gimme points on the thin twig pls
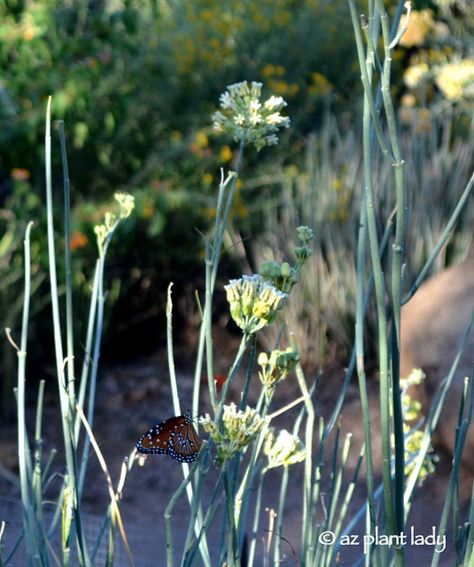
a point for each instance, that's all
(113, 495)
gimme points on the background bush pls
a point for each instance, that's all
(135, 83)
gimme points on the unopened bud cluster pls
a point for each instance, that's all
(246, 119)
(304, 251)
(126, 204)
(284, 449)
(276, 366)
(254, 302)
(238, 429)
(283, 276)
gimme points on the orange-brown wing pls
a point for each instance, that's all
(185, 444)
(157, 440)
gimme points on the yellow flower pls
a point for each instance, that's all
(207, 179)
(207, 16)
(319, 84)
(456, 80)
(215, 44)
(268, 70)
(225, 154)
(415, 74)
(279, 70)
(201, 139)
(29, 33)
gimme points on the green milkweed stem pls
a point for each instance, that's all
(24, 454)
(66, 409)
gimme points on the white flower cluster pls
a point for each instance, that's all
(254, 302)
(238, 430)
(246, 119)
(283, 450)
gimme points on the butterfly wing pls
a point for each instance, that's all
(157, 439)
(185, 444)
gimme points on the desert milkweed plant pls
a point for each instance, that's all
(224, 474)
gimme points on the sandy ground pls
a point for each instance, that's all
(132, 397)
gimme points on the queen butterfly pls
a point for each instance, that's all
(175, 437)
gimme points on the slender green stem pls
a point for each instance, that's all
(469, 554)
(24, 455)
(442, 240)
(232, 373)
(250, 371)
(233, 559)
(396, 273)
(196, 509)
(280, 511)
(256, 519)
(37, 482)
(208, 326)
(360, 311)
(307, 538)
(347, 499)
(364, 400)
(99, 297)
(453, 481)
(336, 489)
(208, 518)
(169, 346)
(221, 223)
(68, 274)
(62, 387)
(212, 264)
(169, 515)
(385, 413)
(37, 488)
(177, 409)
(242, 495)
(88, 348)
(94, 367)
(365, 66)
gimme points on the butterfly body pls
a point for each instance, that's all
(175, 437)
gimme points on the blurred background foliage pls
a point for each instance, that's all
(136, 82)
